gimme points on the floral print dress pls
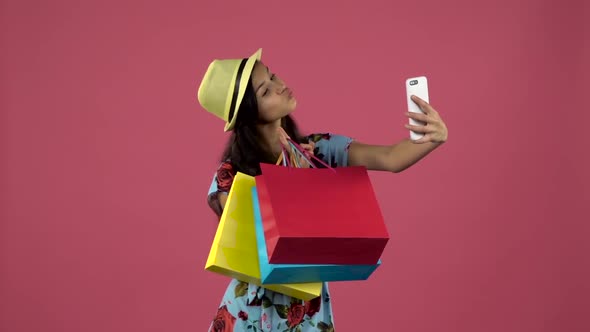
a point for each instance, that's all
(247, 307)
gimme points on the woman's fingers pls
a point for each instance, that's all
(308, 147)
(424, 106)
(420, 129)
(424, 139)
(420, 117)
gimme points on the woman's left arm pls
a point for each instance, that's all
(397, 157)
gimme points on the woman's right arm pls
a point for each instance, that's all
(222, 197)
(220, 186)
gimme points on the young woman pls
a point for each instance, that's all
(255, 105)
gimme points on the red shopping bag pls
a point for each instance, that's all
(320, 215)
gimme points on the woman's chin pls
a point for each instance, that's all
(293, 102)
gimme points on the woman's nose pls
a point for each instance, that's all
(281, 87)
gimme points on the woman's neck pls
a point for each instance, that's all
(270, 135)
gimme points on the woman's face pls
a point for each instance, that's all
(275, 99)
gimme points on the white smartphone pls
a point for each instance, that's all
(417, 86)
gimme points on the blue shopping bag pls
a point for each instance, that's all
(301, 273)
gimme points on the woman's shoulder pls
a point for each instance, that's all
(224, 175)
(331, 148)
(328, 138)
(316, 137)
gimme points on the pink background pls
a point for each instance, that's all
(106, 157)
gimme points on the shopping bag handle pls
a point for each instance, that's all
(306, 155)
(291, 159)
(283, 157)
(286, 158)
(296, 149)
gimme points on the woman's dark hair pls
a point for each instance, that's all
(244, 149)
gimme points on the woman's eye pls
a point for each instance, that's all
(265, 91)
(272, 77)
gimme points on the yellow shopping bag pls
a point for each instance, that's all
(234, 252)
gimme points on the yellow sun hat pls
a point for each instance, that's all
(223, 87)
